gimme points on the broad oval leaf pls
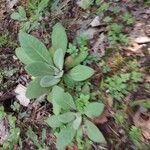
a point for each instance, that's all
(23, 57)
(53, 121)
(57, 93)
(39, 69)
(63, 99)
(16, 16)
(77, 122)
(59, 37)
(94, 109)
(49, 80)
(34, 90)
(59, 58)
(94, 133)
(81, 73)
(68, 101)
(66, 117)
(34, 48)
(65, 137)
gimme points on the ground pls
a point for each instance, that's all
(117, 35)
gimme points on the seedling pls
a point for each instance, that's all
(127, 17)
(31, 22)
(71, 117)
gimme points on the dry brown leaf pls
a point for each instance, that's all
(20, 95)
(4, 132)
(142, 40)
(136, 48)
(142, 120)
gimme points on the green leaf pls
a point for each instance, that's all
(63, 99)
(59, 37)
(53, 121)
(66, 117)
(59, 58)
(16, 16)
(94, 133)
(34, 48)
(49, 80)
(23, 57)
(77, 122)
(56, 108)
(57, 94)
(39, 69)
(68, 101)
(94, 109)
(42, 5)
(22, 12)
(81, 73)
(34, 90)
(20, 15)
(65, 137)
(85, 4)
(77, 60)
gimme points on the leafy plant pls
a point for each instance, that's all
(144, 103)
(70, 117)
(105, 67)
(115, 35)
(3, 40)
(120, 118)
(120, 85)
(117, 86)
(103, 8)
(31, 22)
(127, 17)
(107, 19)
(46, 67)
(14, 135)
(135, 135)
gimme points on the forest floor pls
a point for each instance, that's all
(117, 34)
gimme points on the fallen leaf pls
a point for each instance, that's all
(96, 22)
(135, 48)
(20, 95)
(99, 45)
(4, 132)
(142, 40)
(142, 120)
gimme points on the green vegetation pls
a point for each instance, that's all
(85, 85)
(70, 117)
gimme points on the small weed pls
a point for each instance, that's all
(107, 19)
(71, 115)
(35, 10)
(105, 67)
(117, 86)
(3, 40)
(120, 85)
(115, 35)
(127, 18)
(120, 118)
(135, 135)
(103, 8)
